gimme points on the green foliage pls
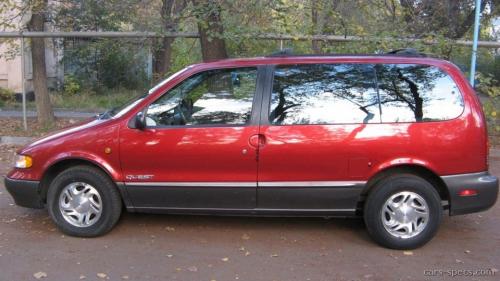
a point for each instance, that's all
(71, 85)
(6, 96)
(488, 85)
(84, 15)
(90, 100)
(122, 65)
(101, 64)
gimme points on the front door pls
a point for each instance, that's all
(195, 151)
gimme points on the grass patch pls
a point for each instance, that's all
(88, 100)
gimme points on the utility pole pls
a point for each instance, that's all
(474, 43)
(23, 85)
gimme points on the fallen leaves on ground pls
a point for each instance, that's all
(192, 268)
(40, 275)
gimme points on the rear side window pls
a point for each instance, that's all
(324, 94)
(362, 93)
(416, 93)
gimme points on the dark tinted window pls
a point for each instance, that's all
(414, 93)
(324, 94)
(211, 97)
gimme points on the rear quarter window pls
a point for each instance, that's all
(417, 93)
(362, 93)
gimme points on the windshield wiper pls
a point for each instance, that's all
(106, 114)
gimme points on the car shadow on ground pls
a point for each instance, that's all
(351, 228)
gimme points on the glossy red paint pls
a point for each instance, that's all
(85, 141)
(280, 153)
(215, 154)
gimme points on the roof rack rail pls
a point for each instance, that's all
(407, 52)
(282, 53)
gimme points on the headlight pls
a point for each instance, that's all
(23, 161)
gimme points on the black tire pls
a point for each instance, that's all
(389, 186)
(111, 200)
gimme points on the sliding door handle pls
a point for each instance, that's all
(257, 141)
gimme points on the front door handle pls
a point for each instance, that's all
(257, 141)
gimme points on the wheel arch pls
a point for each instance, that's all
(58, 166)
(414, 169)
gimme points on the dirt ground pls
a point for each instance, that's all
(169, 247)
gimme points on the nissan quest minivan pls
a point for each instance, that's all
(398, 139)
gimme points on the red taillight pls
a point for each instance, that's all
(467, 192)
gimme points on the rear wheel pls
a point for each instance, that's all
(83, 201)
(403, 212)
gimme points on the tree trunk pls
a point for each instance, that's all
(453, 12)
(42, 98)
(163, 57)
(408, 10)
(170, 11)
(316, 44)
(211, 31)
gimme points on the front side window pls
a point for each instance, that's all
(214, 97)
(324, 94)
(417, 93)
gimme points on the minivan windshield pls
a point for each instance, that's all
(124, 108)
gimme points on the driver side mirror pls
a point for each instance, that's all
(139, 121)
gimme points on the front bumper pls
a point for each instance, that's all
(485, 184)
(25, 193)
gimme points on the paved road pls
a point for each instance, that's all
(168, 247)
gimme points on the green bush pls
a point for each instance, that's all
(105, 64)
(6, 95)
(71, 85)
(489, 86)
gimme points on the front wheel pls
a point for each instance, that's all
(83, 201)
(403, 212)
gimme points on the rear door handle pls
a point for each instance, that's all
(257, 141)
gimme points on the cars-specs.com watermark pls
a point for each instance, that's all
(460, 272)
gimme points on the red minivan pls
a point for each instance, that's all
(397, 139)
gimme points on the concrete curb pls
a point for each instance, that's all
(10, 140)
(59, 114)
